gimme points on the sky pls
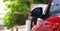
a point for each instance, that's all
(2, 12)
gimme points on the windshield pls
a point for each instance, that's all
(55, 7)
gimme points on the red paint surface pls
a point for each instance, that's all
(50, 24)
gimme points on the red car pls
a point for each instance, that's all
(50, 24)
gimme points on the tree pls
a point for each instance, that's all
(11, 19)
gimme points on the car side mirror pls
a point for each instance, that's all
(37, 12)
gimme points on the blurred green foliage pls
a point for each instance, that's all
(40, 1)
(11, 19)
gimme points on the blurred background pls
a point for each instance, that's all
(14, 13)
